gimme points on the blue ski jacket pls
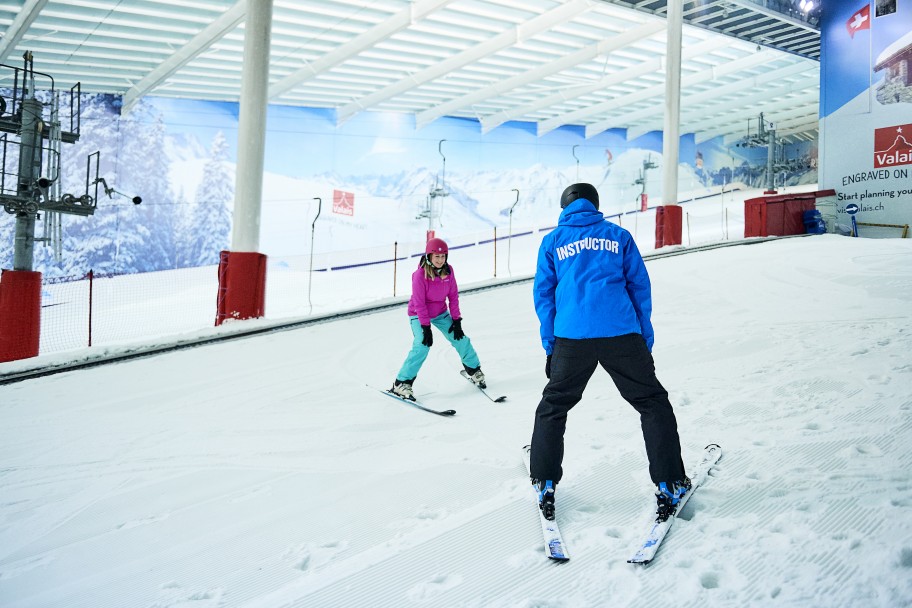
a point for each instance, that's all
(590, 280)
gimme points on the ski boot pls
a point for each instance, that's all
(476, 375)
(403, 389)
(668, 496)
(545, 497)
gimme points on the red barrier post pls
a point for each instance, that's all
(20, 314)
(668, 225)
(242, 286)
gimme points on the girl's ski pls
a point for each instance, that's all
(418, 404)
(500, 399)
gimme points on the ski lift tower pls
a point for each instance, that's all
(765, 136)
(437, 193)
(643, 198)
(33, 191)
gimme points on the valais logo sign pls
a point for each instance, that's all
(893, 146)
(343, 202)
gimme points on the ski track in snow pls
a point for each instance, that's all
(263, 474)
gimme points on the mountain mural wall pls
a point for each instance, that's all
(180, 155)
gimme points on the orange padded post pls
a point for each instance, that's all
(242, 286)
(20, 314)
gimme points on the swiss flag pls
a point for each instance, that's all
(861, 20)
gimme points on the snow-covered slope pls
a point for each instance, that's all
(266, 473)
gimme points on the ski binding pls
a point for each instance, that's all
(500, 399)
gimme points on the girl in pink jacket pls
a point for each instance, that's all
(433, 285)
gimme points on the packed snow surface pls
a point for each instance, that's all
(269, 472)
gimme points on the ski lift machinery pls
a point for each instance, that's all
(35, 189)
(438, 191)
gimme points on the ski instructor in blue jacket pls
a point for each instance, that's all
(593, 300)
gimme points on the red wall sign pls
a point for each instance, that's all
(343, 202)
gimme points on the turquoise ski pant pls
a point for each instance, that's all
(415, 358)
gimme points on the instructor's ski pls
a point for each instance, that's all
(657, 530)
(554, 544)
(500, 399)
(417, 404)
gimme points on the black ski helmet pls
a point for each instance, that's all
(586, 191)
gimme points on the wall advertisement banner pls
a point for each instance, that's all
(866, 110)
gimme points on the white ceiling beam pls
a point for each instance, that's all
(812, 117)
(402, 20)
(801, 124)
(793, 36)
(20, 25)
(700, 7)
(524, 31)
(692, 104)
(737, 118)
(710, 129)
(757, 8)
(226, 23)
(743, 109)
(804, 128)
(647, 67)
(773, 111)
(784, 110)
(653, 92)
(585, 54)
(746, 108)
(755, 32)
(734, 20)
(727, 140)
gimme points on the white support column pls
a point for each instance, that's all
(671, 136)
(248, 190)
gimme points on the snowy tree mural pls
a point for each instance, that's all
(210, 217)
(7, 232)
(9, 152)
(143, 171)
(89, 243)
(163, 232)
(183, 234)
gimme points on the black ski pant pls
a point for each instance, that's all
(630, 365)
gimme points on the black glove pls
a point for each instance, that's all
(456, 329)
(548, 367)
(428, 339)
